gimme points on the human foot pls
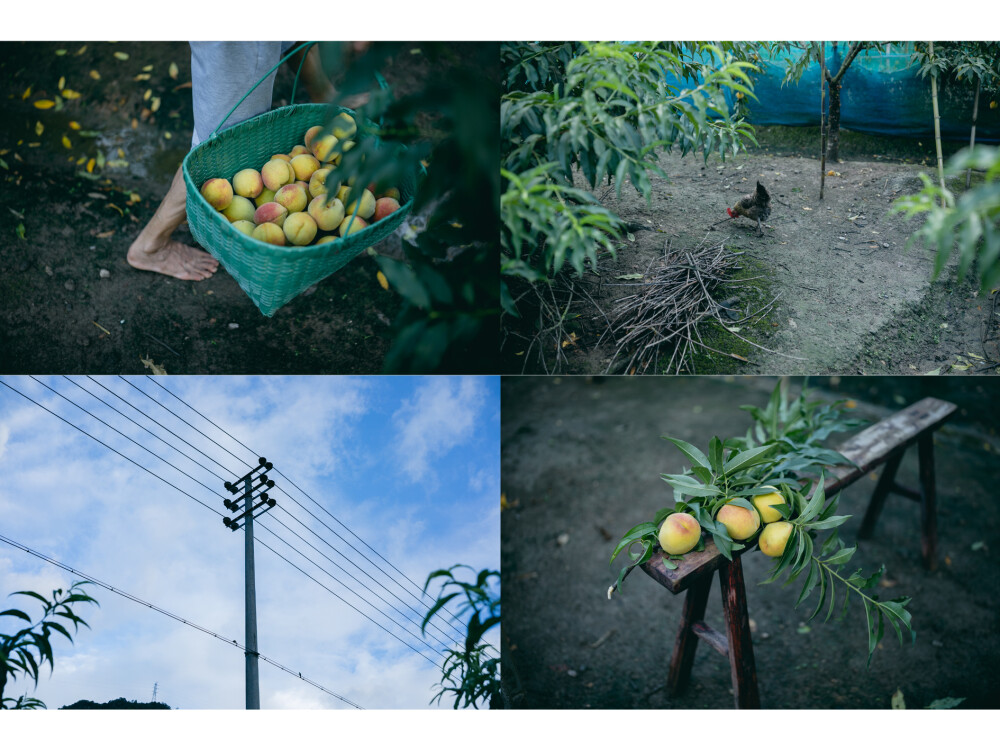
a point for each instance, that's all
(173, 259)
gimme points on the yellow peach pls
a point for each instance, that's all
(300, 228)
(342, 192)
(269, 233)
(679, 533)
(365, 207)
(384, 207)
(764, 505)
(244, 226)
(283, 157)
(293, 197)
(343, 126)
(218, 192)
(390, 193)
(239, 209)
(322, 146)
(774, 538)
(328, 238)
(298, 150)
(304, 165)
(350, 225)
(310, 134)
(318, 184)
(739, 522)
(266, 196)
(328, 217)
(247, 182)
(276, 173)
(270, 213)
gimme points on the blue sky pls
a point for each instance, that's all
(409, 465)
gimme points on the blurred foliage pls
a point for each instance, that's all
(444, 132)
(26, 651)
(970, 223)
(470, 673)
(604, 110)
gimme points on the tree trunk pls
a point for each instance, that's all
(822, 119)
(937, 125)
(833, 127)
(972, 138)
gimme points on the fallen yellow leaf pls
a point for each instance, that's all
(149, 93)
(157, 369)
(27, 93)
(74, 125)
(155, 104)
(134, 197)
(70, 94)
(147, 68)
(173, 70)
(60, 52)
(45, 104)
(806, 208)
(82, 50)
(66, 142)
(39, 128)
(121, 154)
(122, 55)
(90, 165)
(62, 82)
(95, 75)
(382, 280)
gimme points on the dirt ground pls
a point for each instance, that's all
(580, 461)
(850, 298)
(70, 303)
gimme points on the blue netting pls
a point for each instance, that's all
(881, 93)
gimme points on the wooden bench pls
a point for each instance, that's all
(884, 442)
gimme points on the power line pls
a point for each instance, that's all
(125, 594)
(165, 481)
(321, 507)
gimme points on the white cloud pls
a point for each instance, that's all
(442, 413)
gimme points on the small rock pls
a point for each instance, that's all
(48, 270)
(571, 672)
(885, 244)
(937, 644)
(70, 285)
(104, 273)
(233, 326)
(563, 539)
(310, 290)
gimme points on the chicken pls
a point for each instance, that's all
(756, 207)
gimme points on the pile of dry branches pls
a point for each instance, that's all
(673, 299)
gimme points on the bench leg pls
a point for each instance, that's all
(741, 661)
(882, 489)
(687, 641)
(928, 500)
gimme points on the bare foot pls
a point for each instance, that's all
(173, 259)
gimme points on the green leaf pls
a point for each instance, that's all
(812, 579)
(434, 609)
(715, 455)
(15, 613)
(815, 503)
(634, 534)
(942, 703)
(690, 485)
(841, 557)
(693, 454)
(747, 459)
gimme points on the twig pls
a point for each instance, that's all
(161, 343)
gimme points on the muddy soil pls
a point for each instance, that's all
(69, 302)
(580, 461)
(850, 298)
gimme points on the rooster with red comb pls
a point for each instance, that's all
(756, 207)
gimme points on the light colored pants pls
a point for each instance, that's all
(221, 73)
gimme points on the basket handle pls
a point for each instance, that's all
(304, 45)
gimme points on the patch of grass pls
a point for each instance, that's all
(753, 291)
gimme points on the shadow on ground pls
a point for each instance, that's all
(580, 462)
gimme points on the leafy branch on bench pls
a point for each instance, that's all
(761, 478)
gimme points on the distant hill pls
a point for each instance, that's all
(118, 704)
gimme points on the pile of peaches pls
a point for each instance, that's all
(290, 201)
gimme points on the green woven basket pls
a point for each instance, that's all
(269, 274)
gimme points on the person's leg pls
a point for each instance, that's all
(221, 73)
(153, 250)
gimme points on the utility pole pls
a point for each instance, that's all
(248, 507)
(154, 691)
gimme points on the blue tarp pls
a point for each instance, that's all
(881, 93)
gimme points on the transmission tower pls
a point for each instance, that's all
(246, 483)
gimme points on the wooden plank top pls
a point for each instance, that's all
(867, 449)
